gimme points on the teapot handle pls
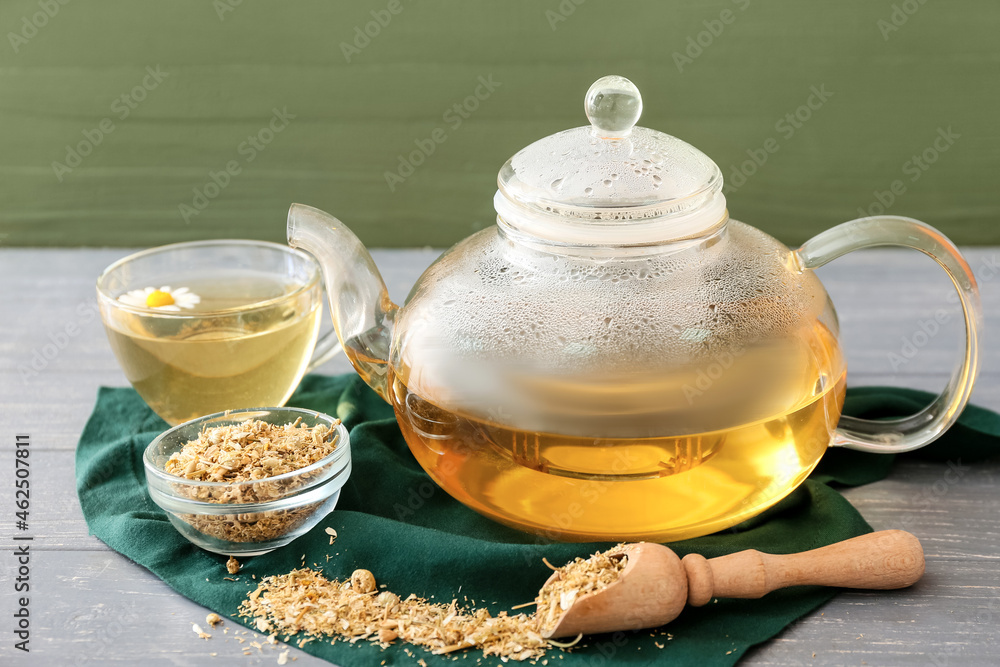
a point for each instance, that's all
(906, 433)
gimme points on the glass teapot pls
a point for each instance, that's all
(617, 359)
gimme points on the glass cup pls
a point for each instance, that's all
(208, 326)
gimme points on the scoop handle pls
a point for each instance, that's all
(883, 560)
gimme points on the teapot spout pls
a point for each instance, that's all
(362, 312)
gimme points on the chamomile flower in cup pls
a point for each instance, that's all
(209, 326)
(163, 298)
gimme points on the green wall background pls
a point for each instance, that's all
(893, 85)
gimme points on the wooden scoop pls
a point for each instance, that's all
(655, 584)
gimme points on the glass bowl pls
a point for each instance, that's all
(284, 507)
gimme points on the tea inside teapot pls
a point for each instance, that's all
(612, 409)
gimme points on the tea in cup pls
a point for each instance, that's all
(209, 326)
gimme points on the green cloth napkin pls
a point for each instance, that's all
(415, 538)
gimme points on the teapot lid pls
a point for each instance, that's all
(611, 183)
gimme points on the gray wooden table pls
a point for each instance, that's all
(90, 605)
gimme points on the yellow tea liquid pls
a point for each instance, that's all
(669, 487)
(207, 361)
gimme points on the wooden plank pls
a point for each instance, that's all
(892, 92)
(100, 608)
(38, 309)
(954, 516)
(30, 407)
(85, 599)
(95, 605)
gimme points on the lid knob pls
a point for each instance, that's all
(613, 106)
